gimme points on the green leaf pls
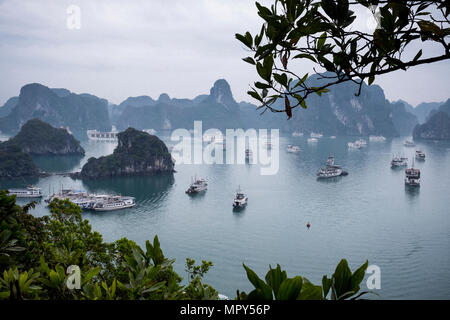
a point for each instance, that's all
(275, 277)
(321, 40)
(305, 56)
(310, 291)
(290, 288)
(90, 274)
(342, 278)
(247, 40)
(358, 276)
(418, 55)
(249, 60)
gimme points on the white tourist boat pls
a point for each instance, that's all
(150, 131)
(399, 162)
(240, 199)
(198, 185)
(29, 192)
(409, 143)
(316, 135)
(103, 136)
(332, 137)
(330, 170)
(293, 149)
(312, 140)
(297, 134)
(420, 155)
(114, 203)
(412, 176)
(377, 139)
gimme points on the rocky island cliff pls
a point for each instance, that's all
(37, 137)
(137, 153)
(437, 125)
(16, 164)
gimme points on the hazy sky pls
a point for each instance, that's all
(147, 47)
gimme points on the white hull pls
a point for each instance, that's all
(115, 208)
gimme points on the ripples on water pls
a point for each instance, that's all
(366, 215)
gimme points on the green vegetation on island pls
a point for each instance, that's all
(37, 137)
(137, 153)
(14, 163)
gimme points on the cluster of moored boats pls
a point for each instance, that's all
(199, 185)
(92, 201)
(85, 200)
(412, 175)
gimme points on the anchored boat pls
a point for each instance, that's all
(29, 192)
(331, 170)
(399, 162)
(409, 143)
(197, 186)
(114, 203)
(420, 155)
(293, 149)
(240, 199)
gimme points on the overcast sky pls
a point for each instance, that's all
(147, 47)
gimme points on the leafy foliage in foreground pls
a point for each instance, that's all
(343, 284)
(35, 254)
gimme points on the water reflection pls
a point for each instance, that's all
(142, 188)
(58, 163)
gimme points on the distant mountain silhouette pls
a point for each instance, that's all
(59, 108)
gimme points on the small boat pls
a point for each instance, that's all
(420, 155)
(150, 131)
(354, 145)
(361, 142)
(333, 137)
(412, 177)
(331, 170)
(197, 186)
(399, 162)
(29, 192)
(312, 140)
(240, 199)
(316, 135)
(377, 139)
(297, 134)
(293, 149)
(409, 143)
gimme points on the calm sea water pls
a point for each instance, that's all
(366, 215)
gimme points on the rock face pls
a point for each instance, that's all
(437, 126)
(14, 163)
(137, 153)
(422, 111)
(404, 121)
(340, 112)
(37, 137)
(216, 110)
(8, 106)
(58, 107)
